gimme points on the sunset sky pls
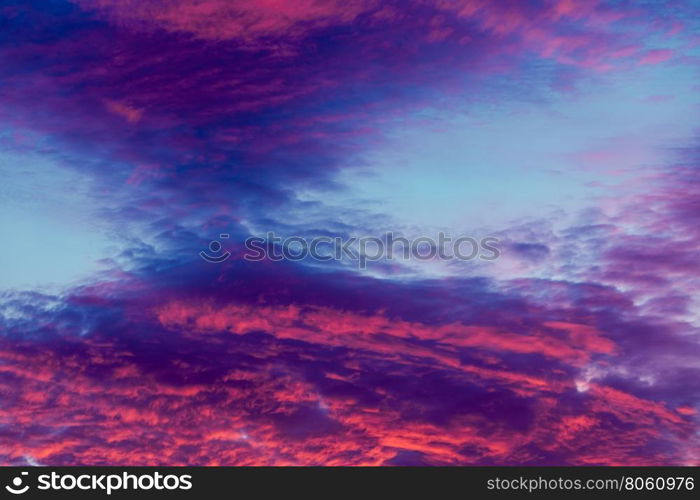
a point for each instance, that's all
(135, 132)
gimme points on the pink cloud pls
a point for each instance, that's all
(656, 56)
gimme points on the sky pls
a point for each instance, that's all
(134, 133)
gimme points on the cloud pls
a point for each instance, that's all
(196, 118)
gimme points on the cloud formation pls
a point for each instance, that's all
(196, 118)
